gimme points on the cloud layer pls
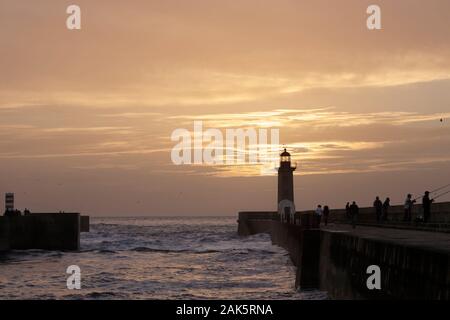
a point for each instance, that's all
(86, 117)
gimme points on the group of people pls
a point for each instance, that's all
(16, 213)
(352, 211)
(381, 210)
(426, 206)
(325, 212)
(12, 213)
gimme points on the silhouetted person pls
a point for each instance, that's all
(408, 207)
(287, 214)
(386, 205)
(378, 205)
(319, 213)
(426, 205)
(326, 213)
(354, 211)
(347, 211)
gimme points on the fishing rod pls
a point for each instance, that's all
(440, 195)
(448, 185)
(435, 190)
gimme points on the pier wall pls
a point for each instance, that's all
(85, 224)
(250, 223)
(4, 234)
(303, 248)
(48, 231)
(406, 272)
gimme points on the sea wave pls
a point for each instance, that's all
(157, 258)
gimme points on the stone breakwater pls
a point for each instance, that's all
(47, 231)
(414, 264)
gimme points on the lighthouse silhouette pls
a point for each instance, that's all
(286, 206)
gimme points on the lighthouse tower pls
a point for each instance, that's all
(285, 178)
(9, 202)
(286, 206)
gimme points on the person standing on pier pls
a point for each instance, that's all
(378, 205)
(347, 211)
(408, 207)
(426, 205)
(386, 205)
(354, 211)
(319, 213)
(326, 213)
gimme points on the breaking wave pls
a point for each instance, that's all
(157, 258)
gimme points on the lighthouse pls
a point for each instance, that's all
(286, 207)
(9, 202)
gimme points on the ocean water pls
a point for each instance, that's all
(156, 258)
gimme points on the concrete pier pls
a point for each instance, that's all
(48, 231)
(4, 234)
(414, 264)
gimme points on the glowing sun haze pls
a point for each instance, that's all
(86, 116)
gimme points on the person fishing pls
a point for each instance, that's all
(386, 205)
(354, 210)
(426, 205)
(319, 213)
(426, 201)
(378, 205)
(326, 213)
(409, 202)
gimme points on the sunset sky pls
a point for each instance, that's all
(86, 116)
